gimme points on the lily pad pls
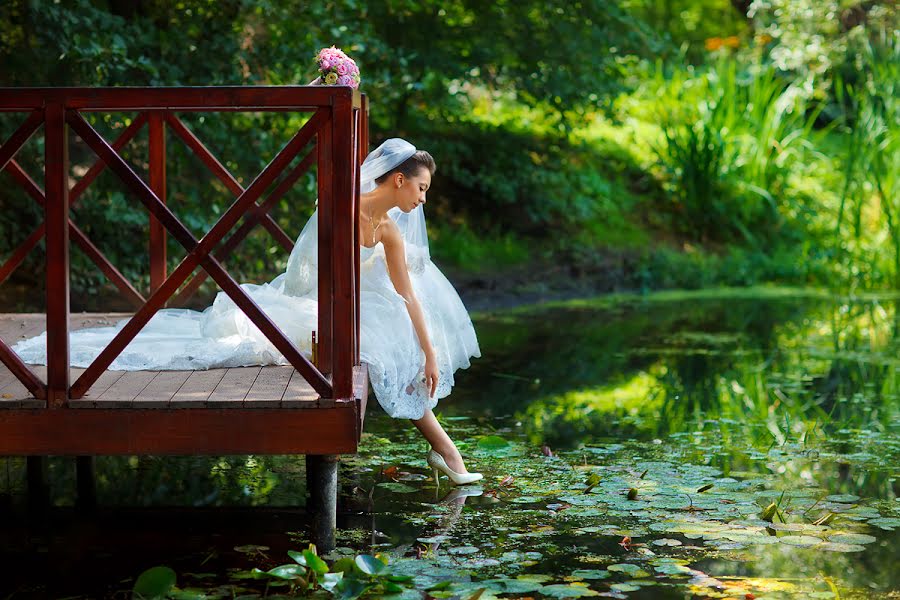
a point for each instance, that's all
(155, 582)
(837, 547)
(845, 498)
(567, 591)
(666, 542)
(633, 570)
(852, 538)
(463, 550)
(525, 499)
(803, 541)
(398, 487)
(887, 523)
(590, 574)
(492, 443)
(624, 587)
(512, 586)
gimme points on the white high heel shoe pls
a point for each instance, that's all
(437, 463)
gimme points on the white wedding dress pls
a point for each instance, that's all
(223, 336)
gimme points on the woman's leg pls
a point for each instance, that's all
(440, 441)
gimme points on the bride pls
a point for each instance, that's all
(414, 330)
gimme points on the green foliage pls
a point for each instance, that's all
(346, 578)
(423, 64)
(729, 159)
(156, 582)
(568, 132)
(462, 247)
(690, 22)
(872, 154)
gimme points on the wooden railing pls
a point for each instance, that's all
(338, 130)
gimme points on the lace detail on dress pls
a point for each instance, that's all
(416, 260)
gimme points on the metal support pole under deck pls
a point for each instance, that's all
(321, 485)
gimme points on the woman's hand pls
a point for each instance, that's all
(431, 374)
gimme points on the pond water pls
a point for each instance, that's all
(709, 445)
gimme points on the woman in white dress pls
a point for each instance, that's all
(414, 330)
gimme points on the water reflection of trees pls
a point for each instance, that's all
(176, 480)
(777, 369)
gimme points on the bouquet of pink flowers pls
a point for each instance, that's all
(336, 68)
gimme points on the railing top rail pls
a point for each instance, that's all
(204, 98)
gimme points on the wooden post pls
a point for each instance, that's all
(321, 487)
(158, 185)
(363, 147)
(342, 254)
(325, 181)
(85, 483)
(56, 216)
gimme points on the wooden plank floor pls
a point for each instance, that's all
(241, 387)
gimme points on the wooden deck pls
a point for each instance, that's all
(176, 412)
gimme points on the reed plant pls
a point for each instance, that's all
(729, 145)
(871, 154)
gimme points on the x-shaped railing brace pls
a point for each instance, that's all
(198, 253)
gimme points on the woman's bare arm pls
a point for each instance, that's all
(395, 256)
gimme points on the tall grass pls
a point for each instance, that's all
(729, 143)
(871, 158)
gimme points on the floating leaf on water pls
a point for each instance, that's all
(807, 527)
(492, 442)
(579, 500)
(155, 582)
(314, 562)
(704, 488)
(463, 550)
(590, 574)
(852, 538)
(632, 494)
(837, 547)
(435, 539)
(845, 498)
(567, 591)
(536, 577)
(672, 569)
(396, 486)
(888, 523)
(514, 556)
(630, 569)
(666, 542)
(289, 571)
(624, 587)
(511, 586)
(803, 541)
(370, 565)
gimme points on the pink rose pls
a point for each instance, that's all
(325, 64)
(345, 80)
(341, 68)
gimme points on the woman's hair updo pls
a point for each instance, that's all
(411, 166)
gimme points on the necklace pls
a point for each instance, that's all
(374, 227)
